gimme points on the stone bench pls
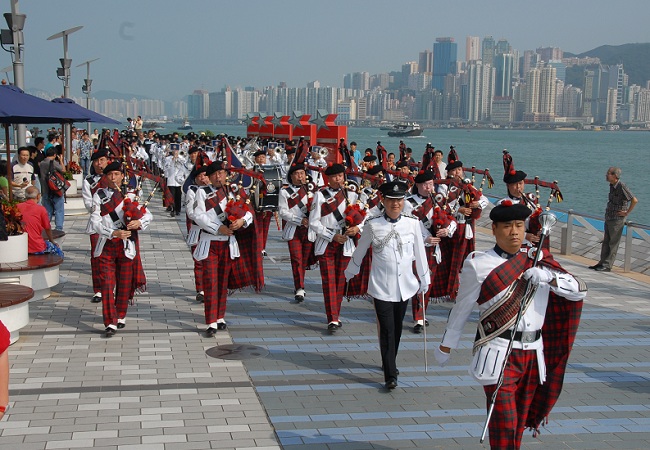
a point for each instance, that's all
(14, 307)
(40, 272)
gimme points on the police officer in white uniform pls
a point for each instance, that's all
(397, 242)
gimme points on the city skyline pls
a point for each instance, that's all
(146, 48)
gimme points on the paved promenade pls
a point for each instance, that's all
(153, 386)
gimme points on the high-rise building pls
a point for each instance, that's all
(198, 104)
(480, 91)
(547, 54)
(560, 69)
(445, 52)
(425, 63)
(642, 106)
(472, 48)
(488, 47)
(504, 64)
(529, 61)
(221, 104)
(531, 99)
(502, 46)
(408, 69)
(547, 78)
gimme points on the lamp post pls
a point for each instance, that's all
(14, 37)
(86, 88)
(63, 73)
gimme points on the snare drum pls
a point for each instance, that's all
(267, 199)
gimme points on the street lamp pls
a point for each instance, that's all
(14, 38)
(86, 88)
(63, 73)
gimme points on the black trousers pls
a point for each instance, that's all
(389, 318)
(176, 192)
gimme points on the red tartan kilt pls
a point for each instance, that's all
(559, 333)
(358, 286)
(247, 270)
(458, 252)
(301, 245)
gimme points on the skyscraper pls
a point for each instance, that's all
(480, 91)
(487, 50)
(445, 52)
(472, 48)
(425, 63)
(504, 65)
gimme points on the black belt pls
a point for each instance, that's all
(520, 336)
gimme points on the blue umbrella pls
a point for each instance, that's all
(18, 107)
(75, 110)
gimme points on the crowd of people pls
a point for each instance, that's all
(377, 225)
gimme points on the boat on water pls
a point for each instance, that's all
(186, 125)
(405, 129)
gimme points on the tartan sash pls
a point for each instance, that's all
(109, 205)
(422, 211)
(332, 206)
(214, 200)
(296, 196)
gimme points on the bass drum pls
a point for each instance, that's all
(266, 198)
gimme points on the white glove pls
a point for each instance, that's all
(442, 357)
(424, 287)
(537, 275)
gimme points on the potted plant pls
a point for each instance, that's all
(77, 173)
(15, 248)
(72, 190)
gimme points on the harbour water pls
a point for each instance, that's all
(578, 160)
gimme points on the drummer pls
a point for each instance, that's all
(262, 217)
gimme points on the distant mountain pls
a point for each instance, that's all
(105, 95)
(634, 57)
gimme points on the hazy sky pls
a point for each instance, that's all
(166, 49)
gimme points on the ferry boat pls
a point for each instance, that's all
(186, 125)
(406, 129)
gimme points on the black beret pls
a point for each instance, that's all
(259, 153)
(295, 167)
(115, 165)
(193, 149)
(506, 211)
(424, 175)
(401, 163)
(335, 169)
(370, 158)
(454, 165)
(290, 151)
(102, 152)
(374, 170)
(394, 189)
(518, 176)
(216, 166)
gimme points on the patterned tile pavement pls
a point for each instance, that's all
(152, 386)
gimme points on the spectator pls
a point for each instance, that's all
(35, 220)
(620, 204)
(35, 157)
(23, 174)
(85, 152)
(4, 183)
(54, 204)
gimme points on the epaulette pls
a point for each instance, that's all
(409, 215)
(374, 217)
(207, 189)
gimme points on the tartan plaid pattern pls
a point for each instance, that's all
(168, 197)
(262, 224)
(332, 264)
(301, 252)
(114, 266)
(454, 252)
(115, 201)
(521, 377)
(559, 333)
(248, 269)
(216, 270)
(94, 267)
(358, 286)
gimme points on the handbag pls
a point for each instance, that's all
(56, 182)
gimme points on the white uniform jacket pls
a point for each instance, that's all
(395, 246)
(293, 216)
(327, 226)
(211, 220)
(175, 171)
(195, 230)
(488, 359)
(415, 201)
(454, 206)
(87, 187)
(105, 225)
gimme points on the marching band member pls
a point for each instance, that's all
(95, 180)
(487, 279)
(262, 218)
(514, 180)
(175, 173)
(333, 245)
(117, 246)
(396, 241)
(316, 159)
(193, 230)
(218, 247)
(293, 205)
(423, 205)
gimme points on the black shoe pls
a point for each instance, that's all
(210, 332)
(264, 253)
(172, 213)
(178, 213)
(200, 297)
(417, 329)
(109, 332)
(332, 327)
(595, 266)
(96, 299)
(169, 208)
(222, 326)
(426, 322)
(391, 384)
(120, 325)
(602, 269)
(300, 295)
